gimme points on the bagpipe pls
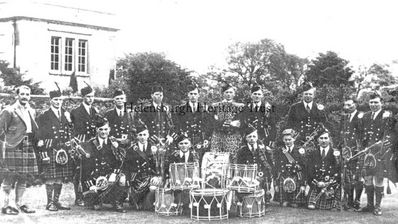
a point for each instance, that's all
(309, 144)
(159, 152)
(328, 186)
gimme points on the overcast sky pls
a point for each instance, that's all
(196, 33)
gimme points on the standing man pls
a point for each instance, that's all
(156, 115)
(120, 119)
(375, 127)
(17, 132)
(305, 116)
(260, 115)
(351, 137)
(54, 132)
(192, 118)
(226, 133)
(83, 119)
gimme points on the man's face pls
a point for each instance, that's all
(103, 132)
(23, 96)
(89, 99)
(375, 104)
(143, 136)
(229, 94)
(119, 101)
(56, 102)
(157, 97)
(324, 140)
(184, 145)
(252, 138)
(257, 96)
(308, 96)
(288, 140)
(193, 96)
(349, 106)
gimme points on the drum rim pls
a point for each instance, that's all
(209, 192)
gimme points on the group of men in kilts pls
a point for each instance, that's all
(125, 153)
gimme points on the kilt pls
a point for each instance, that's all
(54, 170)
(290, 197)
(324, 203)
(223, 142)
(21, 160)
(108, 196)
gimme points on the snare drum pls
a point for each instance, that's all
(165, 204)
(184, 176)
(252, 205)
(209, 204)
(214, 169)
(243, 178)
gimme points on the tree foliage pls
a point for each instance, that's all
(141, 71)
(329, 69)
(13, 77)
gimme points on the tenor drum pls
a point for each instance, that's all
(252, 205)
(165, 204)
(243, 178)
(209, 204)
(184, 176)
(214, 169)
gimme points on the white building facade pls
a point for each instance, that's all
(51, 42)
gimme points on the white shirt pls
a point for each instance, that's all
(326, 150)
(290, 149)
(141, 146)
(102, 141)
(26, 116)
(375, 114)
(118, 111)
(352, 115)
(57, 112)
(253, 148)
(194, 106)
(308, 104)
(88, 108)
(184, 154)
(258, 105)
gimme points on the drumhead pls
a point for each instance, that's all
(215, 164)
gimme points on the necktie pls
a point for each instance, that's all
(323, 153)
(121, 114)
(308, 108)
(373, 115)
(59, 115)
(88, 111)
(252, 147)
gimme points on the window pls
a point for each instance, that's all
(68, 55)
(82, 56)
(55, 45)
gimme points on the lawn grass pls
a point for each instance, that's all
(35, 197)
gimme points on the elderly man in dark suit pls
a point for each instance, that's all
(83, 119)
(17, 130)
(305, 116)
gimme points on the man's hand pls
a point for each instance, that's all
(115, 144)
(235, 123)
(169, 139)
(40, 143)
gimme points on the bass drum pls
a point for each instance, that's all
(215, 169)
(165, 204)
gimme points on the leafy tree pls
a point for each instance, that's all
(13, 77)
(329, 69)
(141, 71)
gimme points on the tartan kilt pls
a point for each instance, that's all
(108, 196)
(21, 160)
(323, 203)
(290, 197)
(222, 142)
(54, 170)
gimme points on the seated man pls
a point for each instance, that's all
(290, 171)
(254, 152)
(101, 177)
(140, 168)
(183, 154)
(323, 175)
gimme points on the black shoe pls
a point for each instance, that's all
(368, 208)
(377, 211)
(26, 209)
(79, 202)
(52, 207)
(356, 205)
(9, 210)
(119, 207)
(61, 207)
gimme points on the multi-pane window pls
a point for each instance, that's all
(82, 56)
(68, 55)
(55, 47)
